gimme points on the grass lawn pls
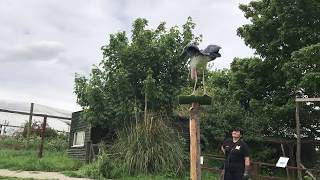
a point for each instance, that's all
(205, 175)
(27, 160)
(14, 178)
(14, 156)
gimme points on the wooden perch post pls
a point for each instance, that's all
(195, 101)
(202, 100)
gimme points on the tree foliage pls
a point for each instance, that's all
(225, 111)
(284, 33)
(257, 93)
(115, 91)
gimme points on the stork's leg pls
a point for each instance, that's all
(203, 84)
(189, 74)
(195, 83)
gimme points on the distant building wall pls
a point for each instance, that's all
(78, 125)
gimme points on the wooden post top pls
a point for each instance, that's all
(202, 100)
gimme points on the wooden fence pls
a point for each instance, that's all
(257, 166)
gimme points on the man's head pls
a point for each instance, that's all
(236, 132)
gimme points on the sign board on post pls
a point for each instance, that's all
(282, 162)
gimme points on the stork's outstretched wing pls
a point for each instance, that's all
(212, 51)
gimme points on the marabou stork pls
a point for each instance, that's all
(199, 60)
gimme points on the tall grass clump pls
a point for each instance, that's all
(150, 147)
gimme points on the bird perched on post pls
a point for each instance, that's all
(199, 60)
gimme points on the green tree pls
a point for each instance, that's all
(279, 27)
(303, 72)
(225, 111)
(114, 93)
(282, 32)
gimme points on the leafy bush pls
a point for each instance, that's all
(57, 144)
(104, 166)
(90, 170)
(36, 128)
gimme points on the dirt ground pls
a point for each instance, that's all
(37, 175)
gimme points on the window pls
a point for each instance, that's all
(78, 138)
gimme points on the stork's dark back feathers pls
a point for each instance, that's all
(192, 50)
(212, 51)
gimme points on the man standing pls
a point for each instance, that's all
(237, 161)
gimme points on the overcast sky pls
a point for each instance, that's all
(43, 43)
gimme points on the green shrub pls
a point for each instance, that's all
(57, 144)
(104, 166)
(36, 128)
(90, 170)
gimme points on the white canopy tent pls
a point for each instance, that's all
(14, 119)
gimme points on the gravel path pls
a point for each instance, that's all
(37, 175)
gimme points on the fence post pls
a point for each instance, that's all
(255, 171)
(42, 136)
(284, 154)
(298, 153)
(29, 124)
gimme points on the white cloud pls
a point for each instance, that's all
(35, 51)
(216, 20)
(43, 43)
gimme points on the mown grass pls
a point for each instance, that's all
(150, 177)
(18, 154)
(205, 175)
(15, 155)
(27, 160)
(15, 178)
